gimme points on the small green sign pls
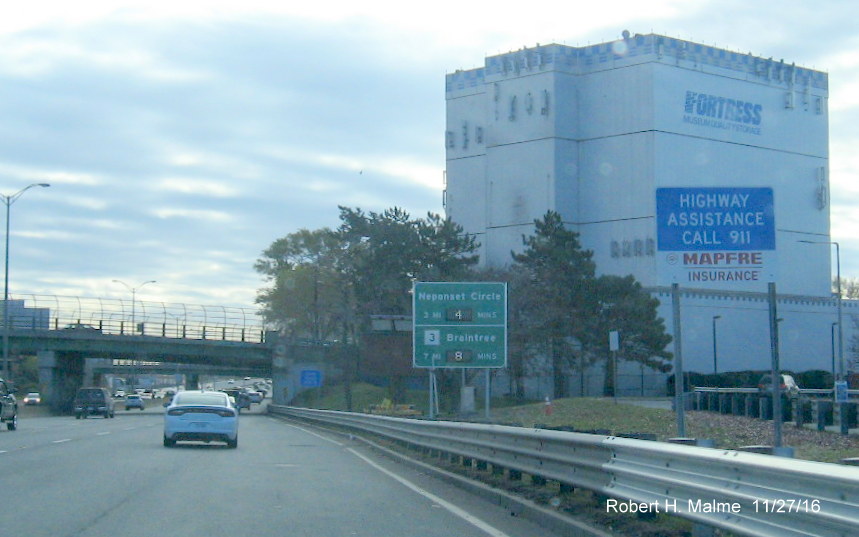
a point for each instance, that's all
(459, 324)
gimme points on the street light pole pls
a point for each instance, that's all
(133, 299)
(838, 304)
(715, 354)
(8, 201)
(832, 338)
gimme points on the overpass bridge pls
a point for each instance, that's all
(65, 331)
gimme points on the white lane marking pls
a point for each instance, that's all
(63, 440)
(1, 451)
(103, 433)
(129, 428)
(461, 513)
(335, 442)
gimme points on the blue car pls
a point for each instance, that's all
(198, 415)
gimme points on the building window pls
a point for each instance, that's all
(478, 134)
(449, 141)
(513, 108)
(615, 249)
(638, 247)
(627, 249)
(650, 247)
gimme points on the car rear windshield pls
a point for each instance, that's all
(91, 395)
(200, 399)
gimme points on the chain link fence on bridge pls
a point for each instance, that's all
(123, 317)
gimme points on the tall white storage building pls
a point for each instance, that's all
(594, 132)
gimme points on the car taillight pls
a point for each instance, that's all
(175, 412)
(226, 414)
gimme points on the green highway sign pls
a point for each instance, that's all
(459, 324)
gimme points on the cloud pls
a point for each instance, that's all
(192, 214)
(182, 138)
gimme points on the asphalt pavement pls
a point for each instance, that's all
(105, 477)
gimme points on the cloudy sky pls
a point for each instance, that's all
(181, 138)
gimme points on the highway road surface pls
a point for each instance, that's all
(61, 477)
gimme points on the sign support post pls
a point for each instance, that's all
(679, 391)
(776, 373)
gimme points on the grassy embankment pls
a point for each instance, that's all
(729, 432)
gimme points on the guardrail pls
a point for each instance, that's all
(808, 407)
(824, 392)
(746, 493)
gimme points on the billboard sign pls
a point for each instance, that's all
(459, 324)
(720, 237)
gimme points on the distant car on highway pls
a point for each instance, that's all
(119, 394)
(82, 326)
(94, 401)
(134, 401)
(8, 406)
(197, 415)
(32, 398)
(241, 398)
(788, 385)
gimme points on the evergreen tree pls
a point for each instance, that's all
(624, 306)
(561, 284)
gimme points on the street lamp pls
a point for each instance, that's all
(133, 298)
(8, 201)
(832, 339)
(715, 355)
(133, 325)
(838, 285)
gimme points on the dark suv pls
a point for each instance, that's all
(8, 406)
(95, 401)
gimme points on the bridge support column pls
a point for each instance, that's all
(60, 375)
(192, 381)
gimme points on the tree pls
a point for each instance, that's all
(385, 252)
(305, 294)
(849, 287)
(523, 320)
(560, 280)
(624, 306)
(564, 312)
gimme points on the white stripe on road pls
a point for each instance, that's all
(317, 435)
(103, 433)
(471, 519)
(63, 440)
(461, 513)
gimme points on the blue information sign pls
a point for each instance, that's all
(311, 378)
(726, 219)
(723, 237)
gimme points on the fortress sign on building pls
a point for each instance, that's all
(721, 235)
